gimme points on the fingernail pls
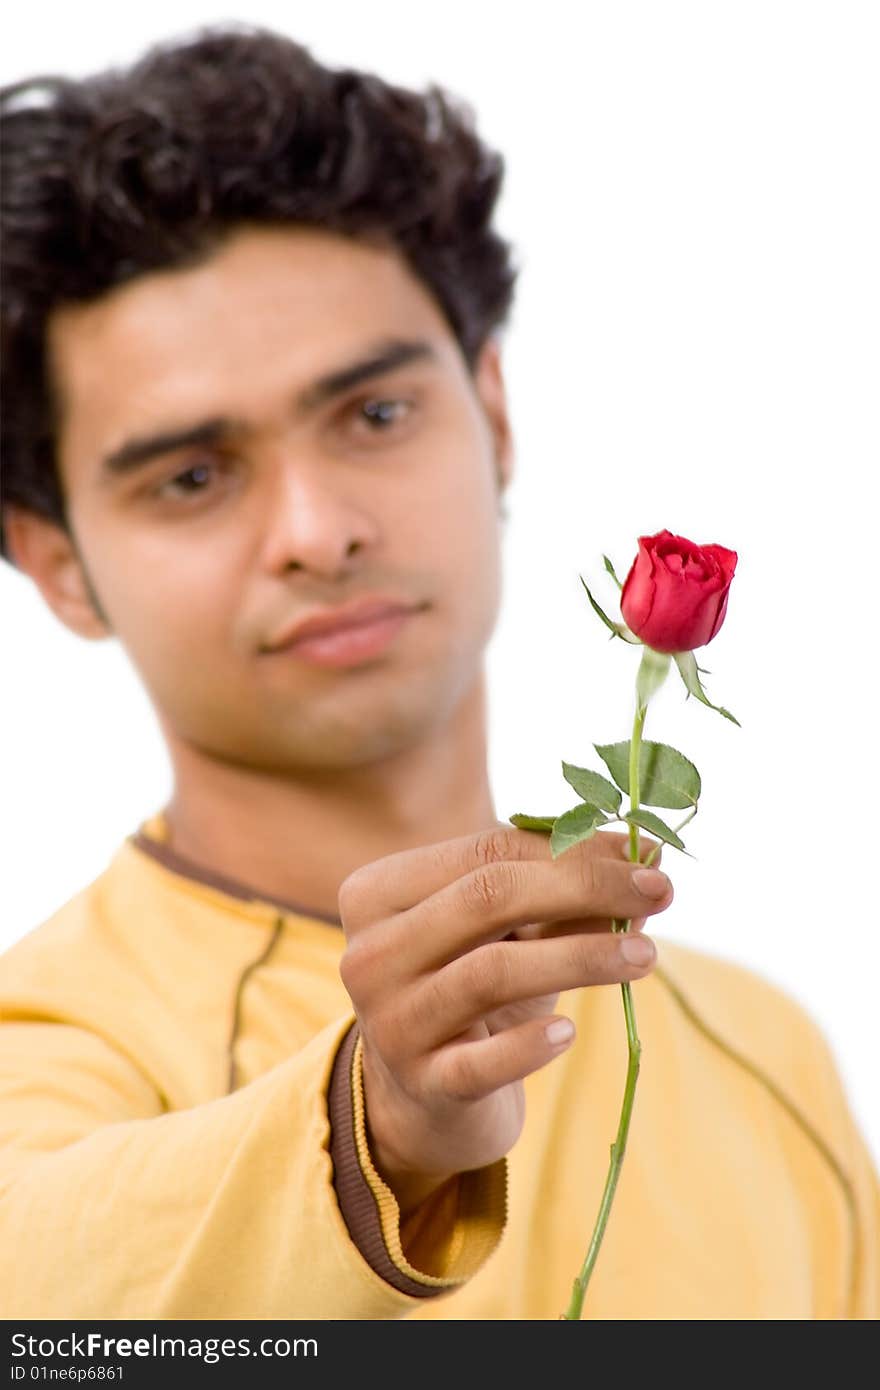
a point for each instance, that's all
(638, 950)
(560, 1031)
(651, 883)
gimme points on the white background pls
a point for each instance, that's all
(692, 191)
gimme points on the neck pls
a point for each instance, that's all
(296, 842)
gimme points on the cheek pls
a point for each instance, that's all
(451, 512)
(172, 605)
(458, 537)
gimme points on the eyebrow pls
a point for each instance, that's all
(382, 357)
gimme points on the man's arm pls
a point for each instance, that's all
(112, 1206)
(829, 1107)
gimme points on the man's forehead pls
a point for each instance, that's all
(268, 303)
(260, 280)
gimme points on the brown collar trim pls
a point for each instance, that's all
(178, 864)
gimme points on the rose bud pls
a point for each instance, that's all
(675, 596)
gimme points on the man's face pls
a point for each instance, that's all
(204, 553)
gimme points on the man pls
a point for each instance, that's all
(301, 1050)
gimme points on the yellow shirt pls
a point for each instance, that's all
(168, 1051)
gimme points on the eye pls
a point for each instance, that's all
(380, 415)
(190, 482)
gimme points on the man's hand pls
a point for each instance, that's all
(456, 954)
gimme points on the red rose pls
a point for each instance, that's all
(675, 596)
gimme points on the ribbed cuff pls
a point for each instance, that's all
(454, 1231)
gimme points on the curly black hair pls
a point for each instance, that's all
(148, 167)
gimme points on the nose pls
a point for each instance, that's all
(312, 524)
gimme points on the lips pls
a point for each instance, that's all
(333, 620)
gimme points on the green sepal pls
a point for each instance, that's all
(652, 672)
(666, 777)
(610, 568)
(617, 629)
(542, 823)
(687, 665)
(575, 825)
(655, 826)
(592, 786)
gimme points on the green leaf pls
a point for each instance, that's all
(575, 825)
(592, 786)
(648, 821)
(542, 823)
(652, 672)
(618, 629)
(687, 665)
(666, 777)
(610, 568)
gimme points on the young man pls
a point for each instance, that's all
(299, 1052)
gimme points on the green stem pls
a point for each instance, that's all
(618, 1148)
(635, 746)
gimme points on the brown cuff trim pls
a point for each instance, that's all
(356, 1201)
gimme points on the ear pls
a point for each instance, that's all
(43, 550)
(489, 381)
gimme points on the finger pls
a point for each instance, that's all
(542, 930)
(507, 972)
(532, 930)
(400, 881)
(473, 1070)
(486, 904)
